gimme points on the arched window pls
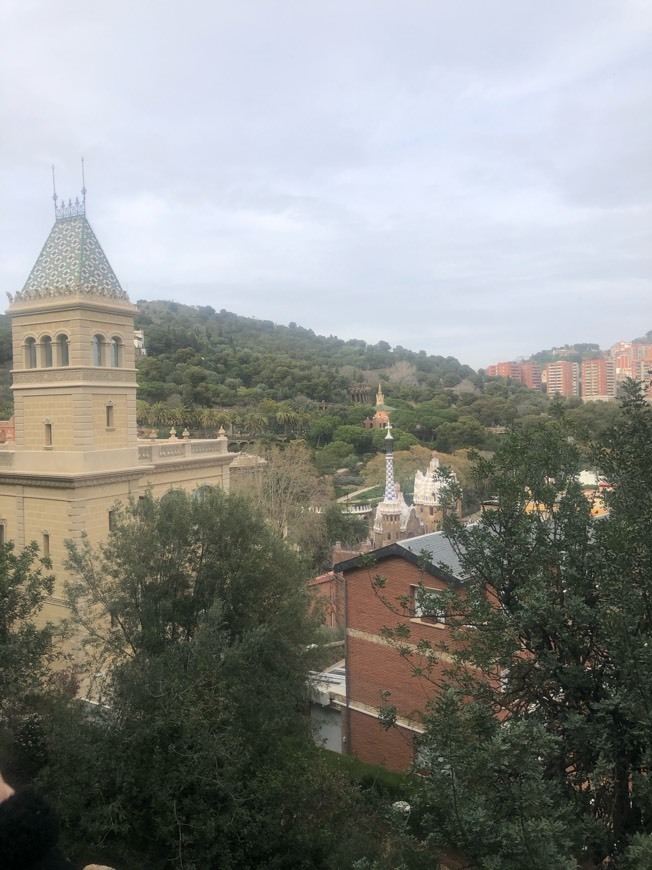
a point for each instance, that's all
(64, 350)
(97, 349)
(46, 350)
(30, 353)
(116, 352)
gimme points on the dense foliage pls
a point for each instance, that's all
(196, 751)
(208, 357)
(539, 743)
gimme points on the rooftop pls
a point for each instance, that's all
(71, 262)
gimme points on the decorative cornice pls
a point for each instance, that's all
(69, 482)
(84, 376)
(72, 209)
(204, 462)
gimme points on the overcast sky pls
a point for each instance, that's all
(468, 177)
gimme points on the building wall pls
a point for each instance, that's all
(374, 666)
(393, 749)
(563, 377)
(598, 379)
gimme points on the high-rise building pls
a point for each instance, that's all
(531, 375)
(563, 378)
(505, 370)
(598, 379)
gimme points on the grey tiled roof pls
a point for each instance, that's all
(71, 262)
(439, 549)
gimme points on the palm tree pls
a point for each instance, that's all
(159, 414)
(143, 413)
(255, 423)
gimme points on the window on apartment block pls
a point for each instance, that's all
(2, 535)
(427, 605)
(109, 417)
(46, 544)
(48, 434)
(111, 520)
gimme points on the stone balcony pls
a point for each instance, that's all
(156, 452)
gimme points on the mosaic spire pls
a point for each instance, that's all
(390, 487)
(72, 261)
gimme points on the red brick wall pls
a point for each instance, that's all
(374, 667)
(367, 612)
(327, 593)
(368, 742)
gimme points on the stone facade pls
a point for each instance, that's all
(76, 452)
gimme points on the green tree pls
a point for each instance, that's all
(26, 650)
(539, 742)
(196, 613)
(289, 492)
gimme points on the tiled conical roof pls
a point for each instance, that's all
(72, 262)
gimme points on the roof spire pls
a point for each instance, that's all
(69, 209)
(54, 191)
(83, 190)
(390, 486)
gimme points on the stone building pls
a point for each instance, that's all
(427, 496)
(395, 519)
(76, 451)
(382, 411)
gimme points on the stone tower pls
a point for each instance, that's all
(394, 519)
(76, 453)
(74, 376)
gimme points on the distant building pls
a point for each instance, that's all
(139, 343)
(428, 495)
(598, 380)
(563, 378)
(394, 518)
(529, 374)
(505, 370)
(381, 417)
(631, 360)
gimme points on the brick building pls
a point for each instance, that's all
(563, 378)
(529, 374)
(327, 595)
(373, 665)
(505, 370)
(598, 380)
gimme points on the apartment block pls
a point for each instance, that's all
(529, 374)
(563, 378)
(598, 380)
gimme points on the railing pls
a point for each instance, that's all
(172, 449)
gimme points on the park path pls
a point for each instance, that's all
(356, 493)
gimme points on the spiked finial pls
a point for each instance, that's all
(83, 190)
(54, 191)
